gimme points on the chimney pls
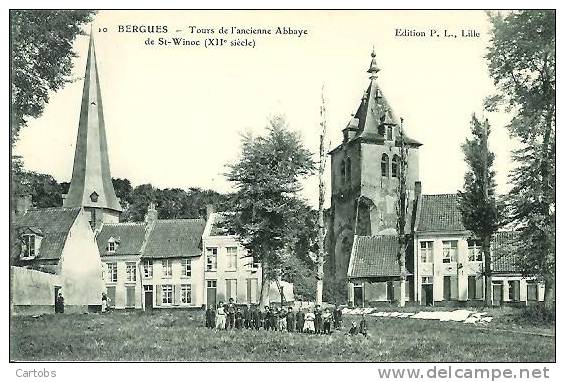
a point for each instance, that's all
(151, 215)
(209, 210)
(23, 204)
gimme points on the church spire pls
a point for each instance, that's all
(91, 184)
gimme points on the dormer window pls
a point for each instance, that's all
(30, 244)
(112, 245)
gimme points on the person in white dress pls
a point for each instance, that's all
(309, 322)
(220, 317)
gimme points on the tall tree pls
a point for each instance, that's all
(123, 190)
(521, 60)
(477, 202)
(41, 58)
(321, 198)
(402, 212)
(267, 180)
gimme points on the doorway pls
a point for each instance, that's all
(496, 293)
(211, 286)
(428, 294)
(358, 295)
(148, 295)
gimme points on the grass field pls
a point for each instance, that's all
(180, 336)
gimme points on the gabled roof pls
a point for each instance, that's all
(504, 253)
(53, 224)
(175, 238)
(129, 238)
(374, 256)
(439, 213)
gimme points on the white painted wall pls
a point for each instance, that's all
(80, 265)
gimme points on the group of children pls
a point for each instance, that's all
(317, 321)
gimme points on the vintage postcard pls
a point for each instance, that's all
(284, 186)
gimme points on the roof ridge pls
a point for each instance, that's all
(124, 223)
(180, 220)
(441, 194)
(53, 208)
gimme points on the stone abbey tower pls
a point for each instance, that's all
(91, 183)
(364, 177)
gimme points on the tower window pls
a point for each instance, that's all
(348, 170)
(395, 168)
(389, 133)
(342, 171)
(384, 165)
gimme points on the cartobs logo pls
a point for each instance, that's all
(35, 373)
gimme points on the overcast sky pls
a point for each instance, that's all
(174, 114)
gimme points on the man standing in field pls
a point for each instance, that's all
(255, 318)
(318, 319)
(230, 314)
(363, 325)
(290, 320)
(300, 320)
(267, 318)
(210, 317)
(337, 318)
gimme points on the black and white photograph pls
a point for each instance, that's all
(283, 186)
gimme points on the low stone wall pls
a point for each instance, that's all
(32, 291)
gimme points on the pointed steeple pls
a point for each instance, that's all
(373, 68)
(91, 184)
(374, 110)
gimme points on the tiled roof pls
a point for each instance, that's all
(128, 235)
(53, 224)
(439, 213)
(175, 238)
(504, 253)
(374, 256)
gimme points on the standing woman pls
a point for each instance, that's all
(104, 302)
(220, 317)
(309, 318)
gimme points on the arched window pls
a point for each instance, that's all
(342, 171)
(395, 168)
(348, 170)
(384, 165)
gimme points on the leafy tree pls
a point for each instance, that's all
(265, 205)
(521, 61)
(45, 191)
(123, 190)
(477, 202)
(42, 58)
(141, 196)
(171, 203)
